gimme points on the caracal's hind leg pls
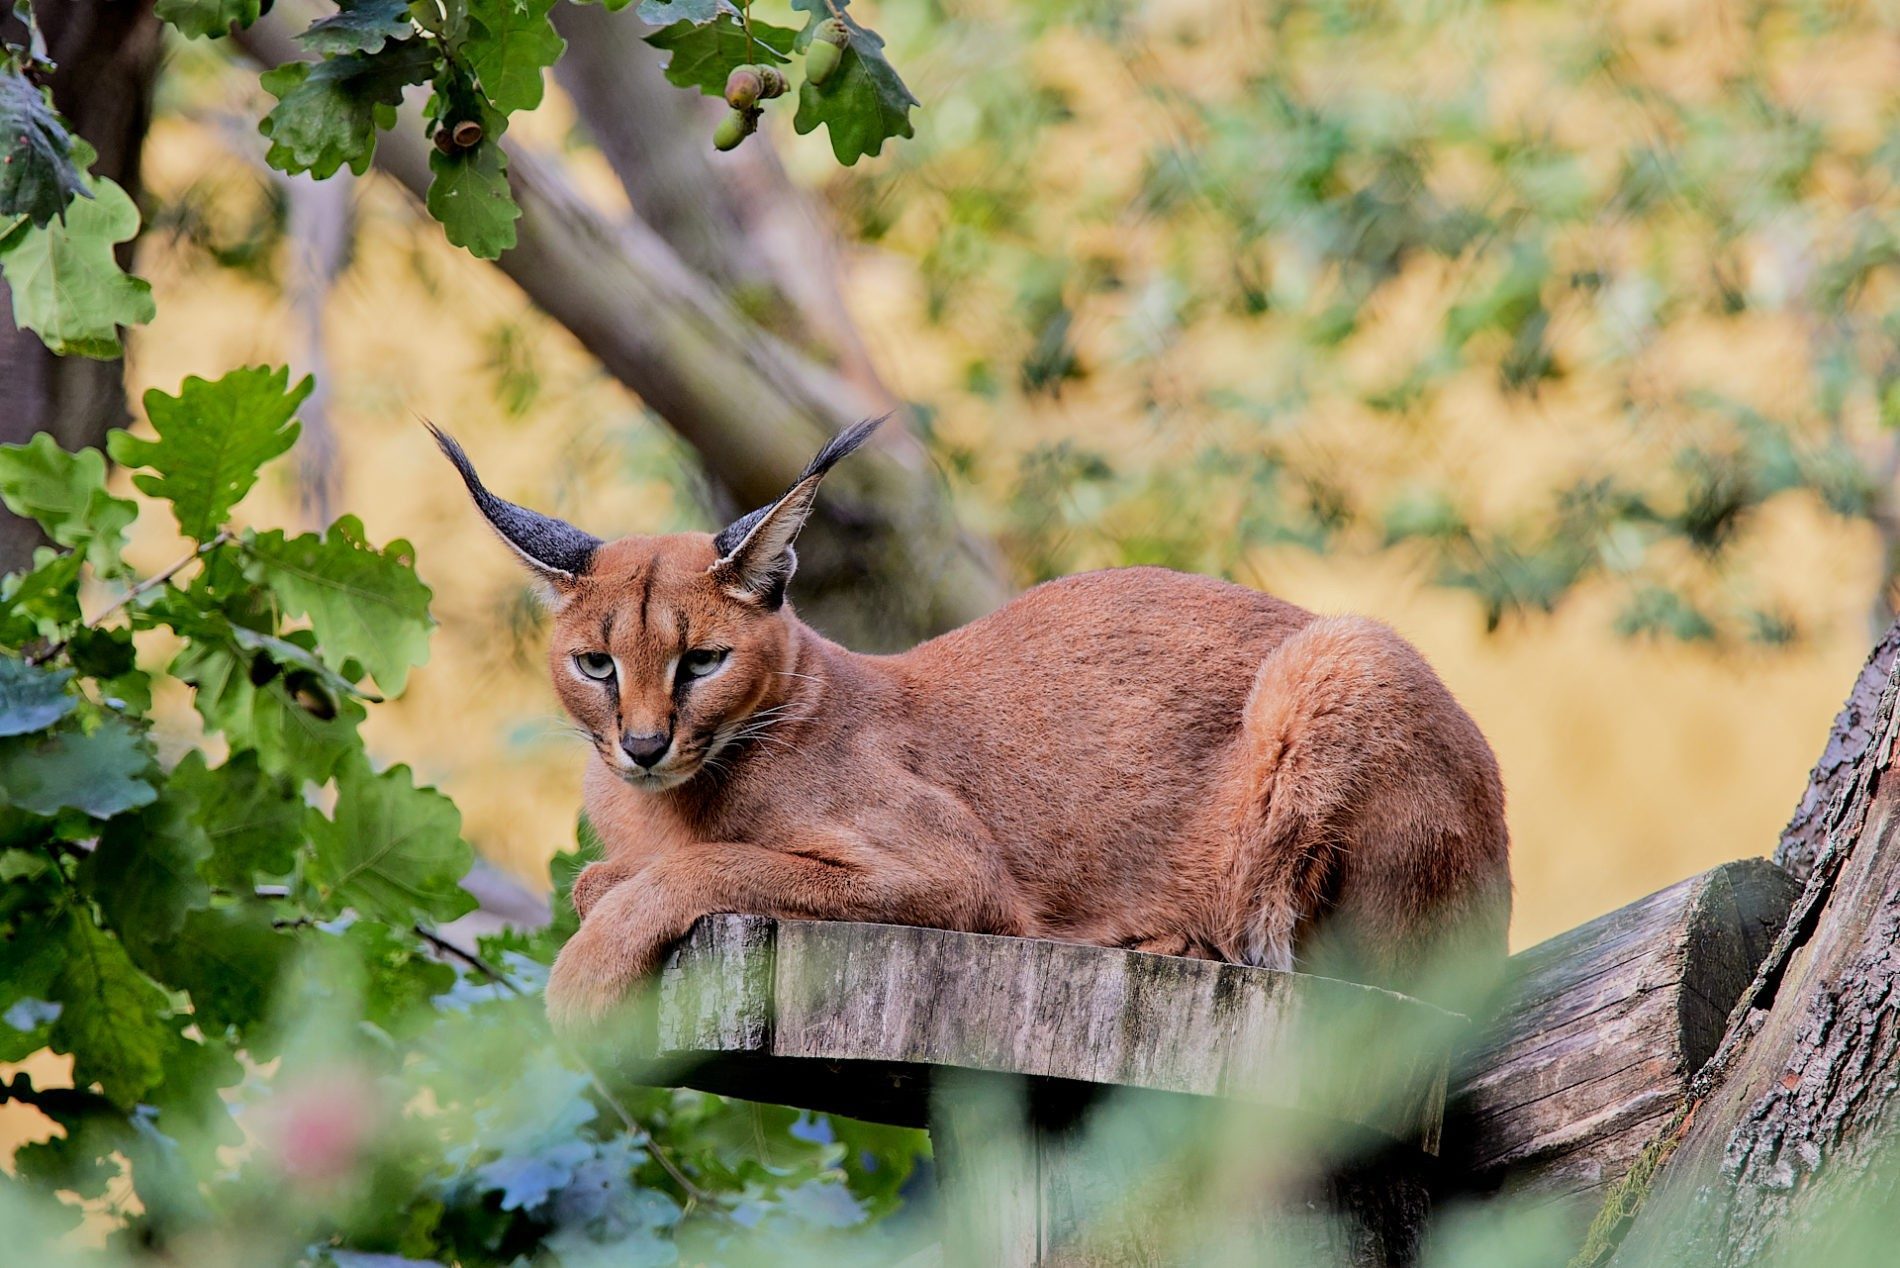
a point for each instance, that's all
(1371, 812)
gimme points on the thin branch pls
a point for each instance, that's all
(754, 407)
(694, 1194)
(158, 578)
(473, 959)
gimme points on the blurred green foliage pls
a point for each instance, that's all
(1358, 234)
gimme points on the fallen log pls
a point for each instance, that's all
(1600, 1031)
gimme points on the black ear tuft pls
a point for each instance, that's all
(841, 446)
(844, 443)
(756, 559)
(548, 545)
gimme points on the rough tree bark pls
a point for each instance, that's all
(108, 57)
(1806, 833)
(883, 562)
(1788, 1139)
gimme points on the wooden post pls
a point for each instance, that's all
(1785, 1150)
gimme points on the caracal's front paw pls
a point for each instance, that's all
(592, 978)
(611, 956)
(581, 993)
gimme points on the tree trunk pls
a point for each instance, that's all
(882, 563)
(108, 57)
(1787, 1150)
(1802, 840)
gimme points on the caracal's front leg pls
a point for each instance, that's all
(596, 879)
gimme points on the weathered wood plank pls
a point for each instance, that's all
(856, 1016)
(1601, 1029)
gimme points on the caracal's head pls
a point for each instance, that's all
(665, 648)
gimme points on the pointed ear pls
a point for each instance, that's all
(756, 560)
(555, 550)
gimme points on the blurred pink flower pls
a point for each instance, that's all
(316, 1126)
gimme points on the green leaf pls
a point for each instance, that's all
(229, 959)
(360, 26)
(111, 1015)
(103, 651)
(31, 698)
(304, 669)
(212, 438)
(209, 19)
(563, 870)
(38, 176)
(193, 1119)
(43, 603)
(667, 12)
(102, 772)
(66, 494)
(327, 113)
(254, 820)
(705, 53)
(84, 1159)
(363, 605)
(470, 196)
(144, 872)
(392, 852)
(511, 43)
(67, 286)
(29, 958)
(398, 978)
(26, 1027)
(291, 737)
(863, 102)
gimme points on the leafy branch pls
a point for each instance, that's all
(174, 929)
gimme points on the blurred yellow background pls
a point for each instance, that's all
(1629, 764)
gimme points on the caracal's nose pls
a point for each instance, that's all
(645, 750)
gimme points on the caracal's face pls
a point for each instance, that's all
(662, 667)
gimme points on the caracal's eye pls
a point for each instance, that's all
(596, 665)
(702, 661)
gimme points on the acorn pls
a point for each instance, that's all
(443, 141)
(825, 51)
(467, 134)
(744, 86)
(747, 86)
(735, 127)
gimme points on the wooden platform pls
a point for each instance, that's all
(1597, 1036)
(1590, 1048)
(857, 1019)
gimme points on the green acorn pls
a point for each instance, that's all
(734, 128)
(825, 51)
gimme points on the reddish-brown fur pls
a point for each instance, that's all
(1137, 758)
